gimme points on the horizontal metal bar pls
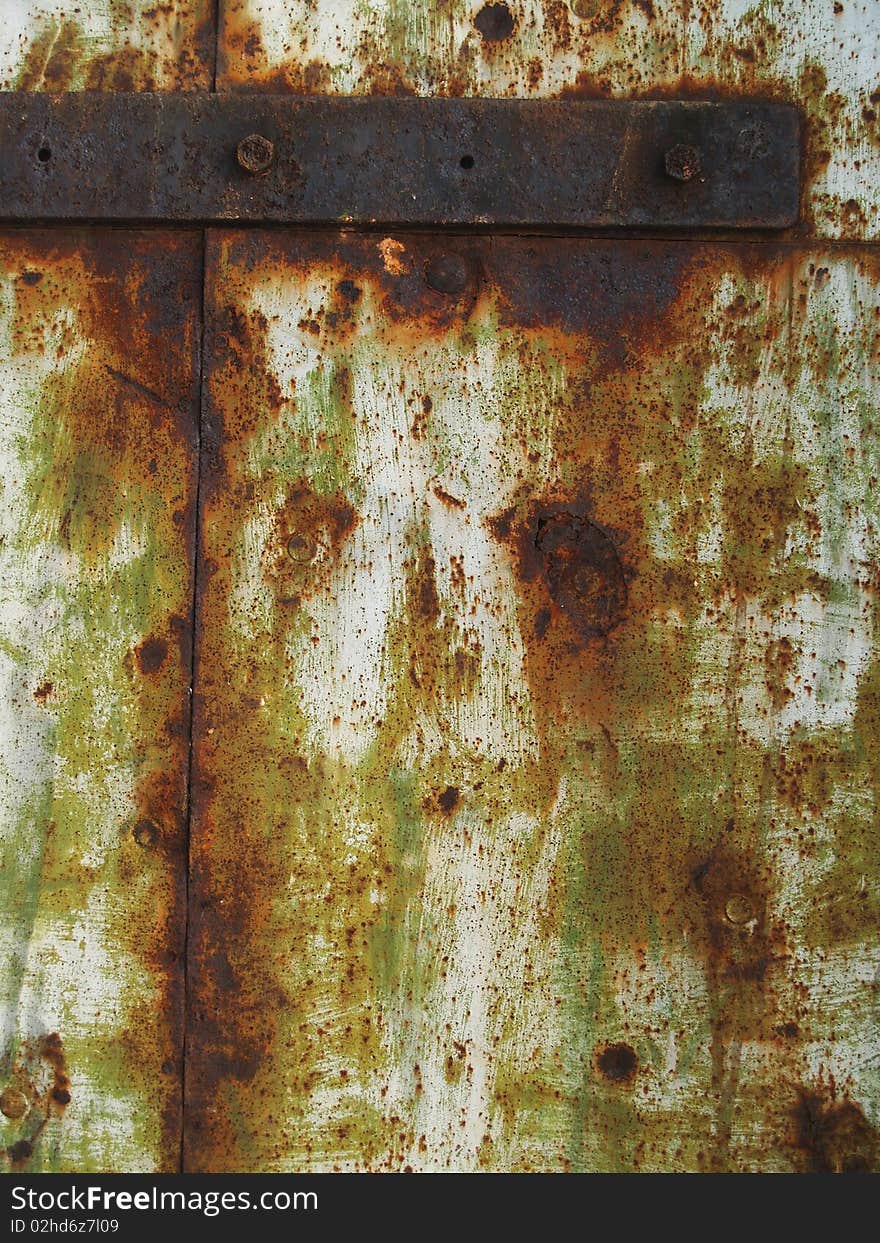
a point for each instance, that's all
(392, 161)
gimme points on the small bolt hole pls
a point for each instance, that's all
(44, 155)
(467, 161)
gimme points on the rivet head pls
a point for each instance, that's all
(738, 909)
(447, 273)
(682, 162)
(255, 154)
(300, 548)
(13, 1104)
(145, 833)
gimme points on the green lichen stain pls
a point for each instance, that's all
(96, 561)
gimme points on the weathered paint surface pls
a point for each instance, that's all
(98, 401)
(106, 45)
(536, 722)
(536, 815)
(821, 54)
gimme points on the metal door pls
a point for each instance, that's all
(524, 580)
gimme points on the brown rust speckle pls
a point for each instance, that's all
(52, 1050)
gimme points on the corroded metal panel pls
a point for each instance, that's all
(106, 45)
(526, 49)
(535, 743)
(823, 56)
(149, 156)
(98, 401)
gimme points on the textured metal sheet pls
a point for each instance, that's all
(522, 49)
(401, 161)
(106, 45)
(535, 801)
(98, 399)
(822, 56)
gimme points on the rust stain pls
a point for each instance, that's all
(660, 523)
(833, 1136)
(142, 47)
(815, 58)
(617, 1063)
(105, 324)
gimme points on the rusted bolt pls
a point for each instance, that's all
(494, 22)
(738, 909)
(145, 833)
(682, 162)
(582, 571)
(618, 1062)
(255, 154)
(13, 1104)
(300, 548)
(447, 273)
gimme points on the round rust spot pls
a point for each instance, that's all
(20, 1151)
(494, 22)
(301, 549)
(13, 1104)
(618, 1063)
(448, 800)
(682, 162)
(582, 571)
(447, 273)
(255, 154)
(151, 653)
(738, 909)
(145, 833)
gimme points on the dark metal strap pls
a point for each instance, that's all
(253, 158)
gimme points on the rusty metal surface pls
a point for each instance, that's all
(822, 56)
(536, 717)
(106, 45)
(398, 161)
(98, 406)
